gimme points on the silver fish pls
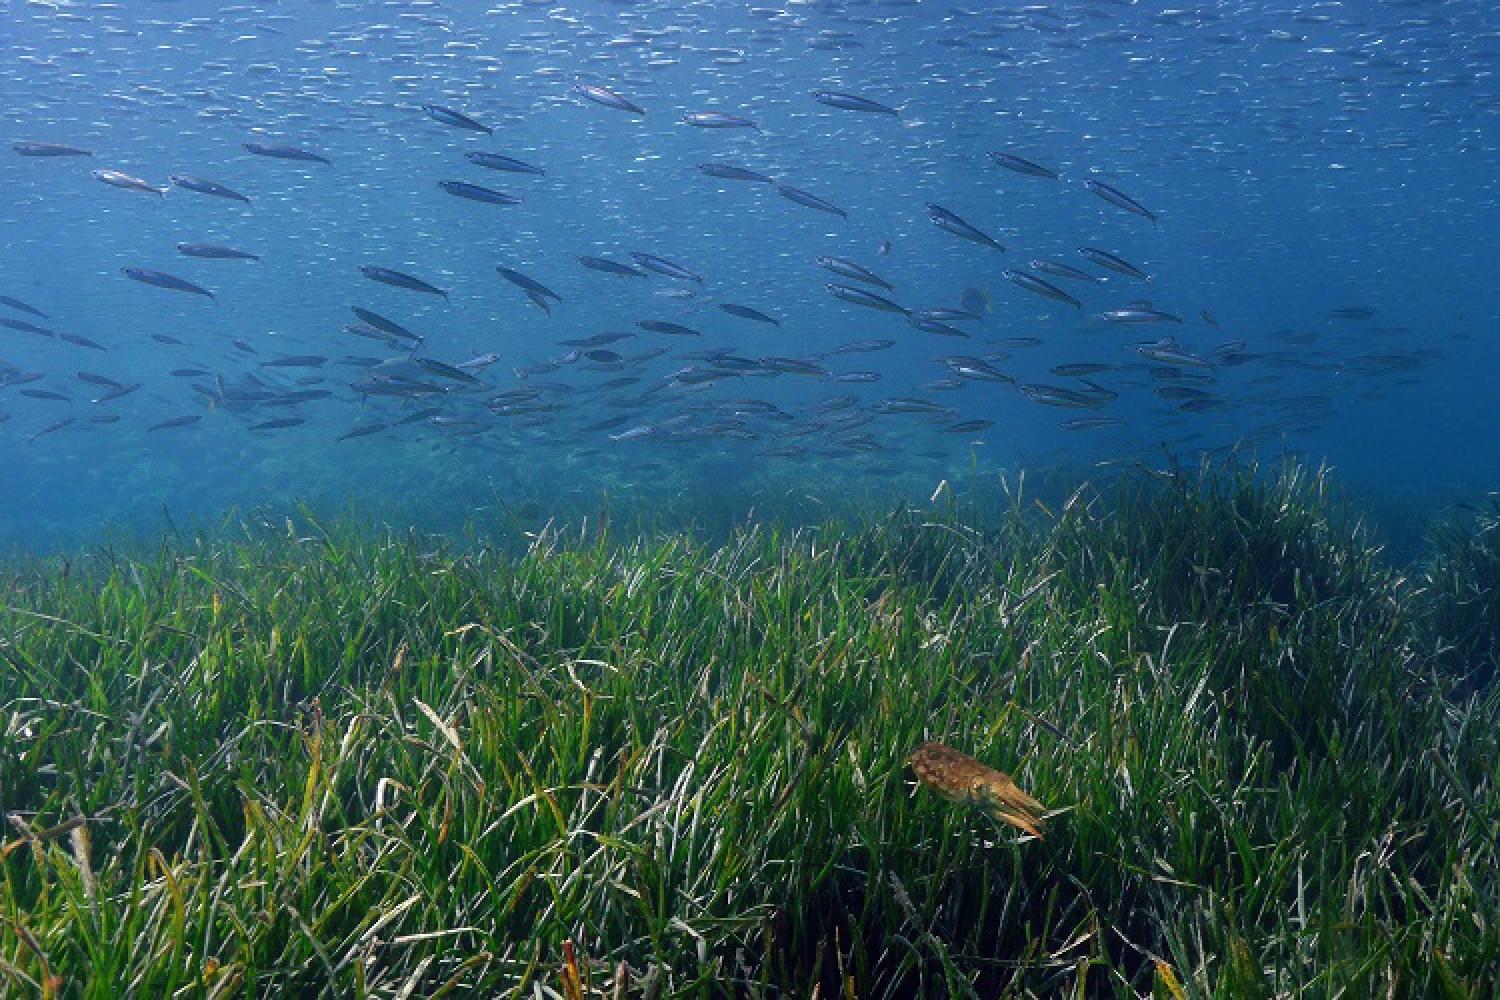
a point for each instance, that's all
(1119, 199)
(161, 279)
(124, 181)
(946, 220)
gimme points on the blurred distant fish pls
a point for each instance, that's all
(77, 341)
(717, 119)
(1119, 199)
(363, 430)
(19, 306)
(278, 151)
(25, 327)
(1082, 368)
(599, 339)
(171, 422)
(202, 186)
(608, 98)
(494, 161)
(1022, 166)
(1139, 314)
(473, 192)
(851, 102)
(212, 251)
(975, 301)
(52, 428)
(673, 329)
(730, 172)
(398, 279)
(48, 149)
(1090, 423)
(1353, 312)
(801, 197)
(160, 279)
(863, 346)
(946, 220)
(456, 119)
(277, 423)
(115, 178)
(296, 361)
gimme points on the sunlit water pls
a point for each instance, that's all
(1299, 159)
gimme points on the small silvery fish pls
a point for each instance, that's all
(457, 119)
(1168, 353)
(810, 200)
(278, 151)
(398, 279)
(608, 98)
(946, 220)
(730, 172)
(1108, 260)
(611, 267)
(534, 288)
(44, 149)
(1119, 199)
(717, 119)
(927, 324)
(849, 269)
(473, 192)
(1022, 166)
(1041, 287)
(745, 312)
(661, 265)
(1057, 269)
(386, 326)
(212, 251)
(674, 329)
(1138, 314)
(494, 161)
(160, 279)
(851, 102)
(115, 178)
(860, 297)
(202, 186)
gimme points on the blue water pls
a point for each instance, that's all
(1300, 159)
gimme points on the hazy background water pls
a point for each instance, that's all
(1300, 159)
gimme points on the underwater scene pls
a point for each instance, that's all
(818, 498)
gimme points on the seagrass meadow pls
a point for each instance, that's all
(297, 758)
